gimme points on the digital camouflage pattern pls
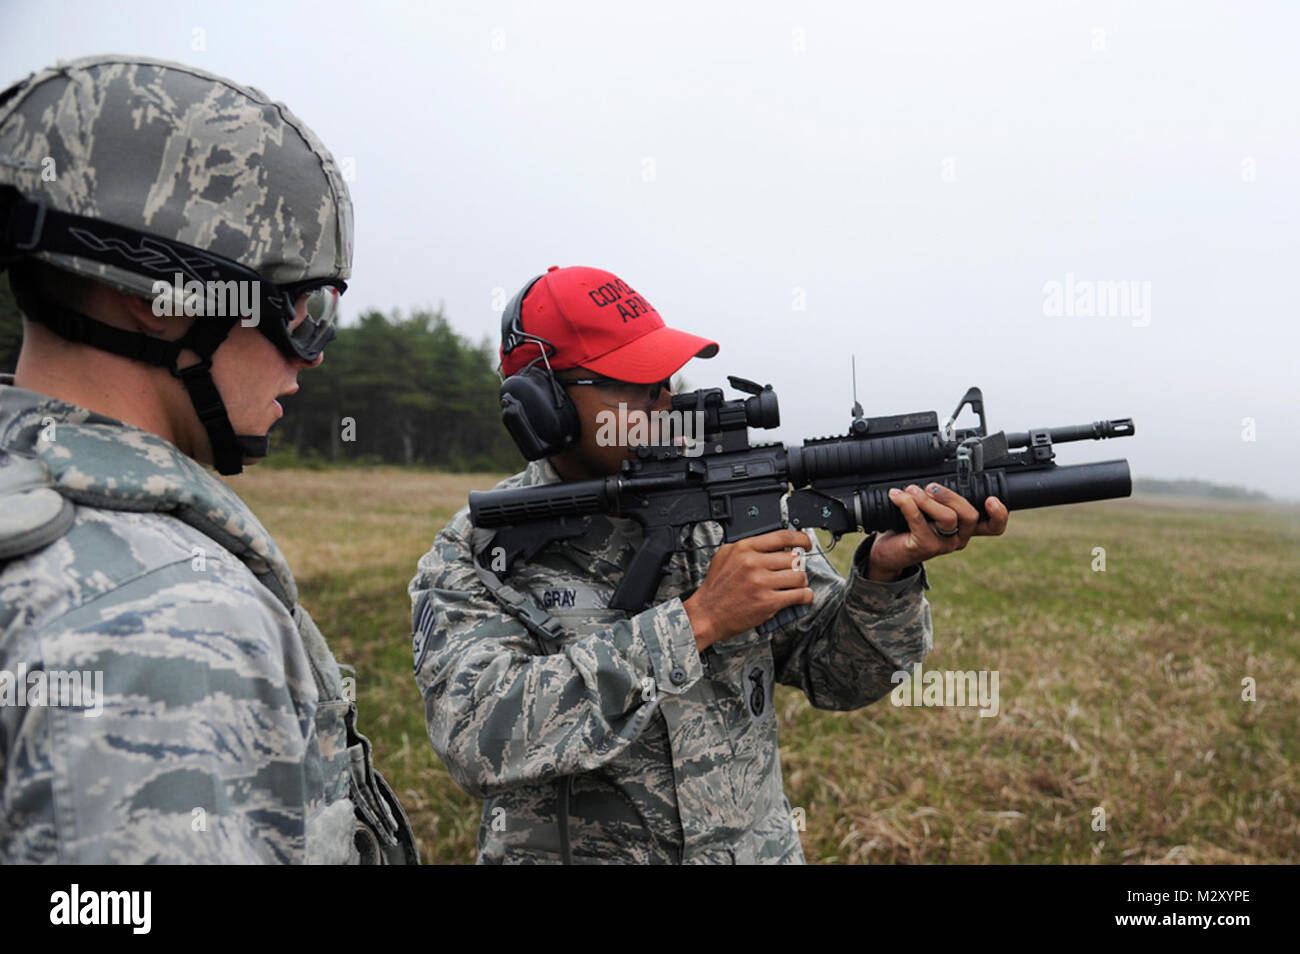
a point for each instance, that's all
(669, 754)
(211, 163)
(224, 732)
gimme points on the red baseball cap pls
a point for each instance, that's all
(597, 321)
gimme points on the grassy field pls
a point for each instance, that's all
(1119, 689)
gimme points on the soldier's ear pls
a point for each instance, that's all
(141, 313)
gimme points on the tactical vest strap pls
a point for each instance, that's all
(539, 622)
(382, 826)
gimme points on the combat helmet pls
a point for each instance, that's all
(147, 175)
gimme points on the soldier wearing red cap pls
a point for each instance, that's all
(598, 735)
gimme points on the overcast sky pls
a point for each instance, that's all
(802, 182)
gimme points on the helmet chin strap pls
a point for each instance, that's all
(251, 446)
(203, 339)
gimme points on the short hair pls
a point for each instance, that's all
(58, 285)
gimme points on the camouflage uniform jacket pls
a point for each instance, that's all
(667, 754)
(224, 735)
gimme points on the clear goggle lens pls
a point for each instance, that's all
(319, 308)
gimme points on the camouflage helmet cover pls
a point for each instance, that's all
(180, 153)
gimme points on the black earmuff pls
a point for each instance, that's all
(540, 416)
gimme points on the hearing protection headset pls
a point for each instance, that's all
(539, 414)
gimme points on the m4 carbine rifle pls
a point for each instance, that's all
(840, 484)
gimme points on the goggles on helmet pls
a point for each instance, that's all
(307, 319)
(28, 226)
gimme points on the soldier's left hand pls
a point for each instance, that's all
(893, 551)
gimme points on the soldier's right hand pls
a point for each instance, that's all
(748, 582)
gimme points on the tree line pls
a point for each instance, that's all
(1188, 487)
(392, 389)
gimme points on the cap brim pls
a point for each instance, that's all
(653, 357)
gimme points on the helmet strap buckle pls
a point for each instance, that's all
(14, 209)
(33, 238)
(189, 372)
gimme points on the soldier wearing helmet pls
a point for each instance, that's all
(177, 244)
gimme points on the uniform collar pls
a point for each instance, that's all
(539, 472)
(98, 461)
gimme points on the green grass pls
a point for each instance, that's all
(1119, 690)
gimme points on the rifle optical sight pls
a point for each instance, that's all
(722, 417)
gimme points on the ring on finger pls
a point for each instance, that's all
(942, 532)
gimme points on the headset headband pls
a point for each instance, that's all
(512, 328)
